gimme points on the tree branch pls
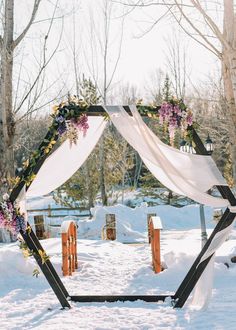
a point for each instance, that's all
(45, 61)
(22, 35)
(1, 41)
(210, 22)
(156, 22)
(207, 43)
(140, 3)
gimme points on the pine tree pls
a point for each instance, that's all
(83, 185)
(166, 93)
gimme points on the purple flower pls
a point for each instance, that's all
(61, 128)
(82, 124)
(9, 218)
(174, 117)
(189, 119)
(60, 119)
(20, 224)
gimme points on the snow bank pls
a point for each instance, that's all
(12, 261)
(132, 222)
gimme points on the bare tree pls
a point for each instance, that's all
(103, 64)
(212, 24)
(224, 49)
(154, 86)
(19, 101)
(177, 66)
(7, 47)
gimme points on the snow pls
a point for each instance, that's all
(132, 222)
(113, 268)
(65, 225)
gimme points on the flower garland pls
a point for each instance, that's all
(10, 217)
(174, 114)
(70, 122)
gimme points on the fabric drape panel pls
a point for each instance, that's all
(66, 160)
(203, 289)
(185, 174)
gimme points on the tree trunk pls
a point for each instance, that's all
(102, 172)
(229, 74)
(8, 123)
(230, 98)
(89, 186)
(138, 167)
(123, 187)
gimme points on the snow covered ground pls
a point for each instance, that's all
(110, 268)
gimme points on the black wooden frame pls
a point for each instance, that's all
(190, 280)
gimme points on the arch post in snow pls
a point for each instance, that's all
(155, 227)
(69, 247)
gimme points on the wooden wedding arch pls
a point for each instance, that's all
(193, 275)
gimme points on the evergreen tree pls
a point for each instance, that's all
(166, 93)
(83, 186)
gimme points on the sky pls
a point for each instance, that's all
(79, 27)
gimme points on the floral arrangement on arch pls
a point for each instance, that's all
(10, 217)
(69, 121)
(173, 115)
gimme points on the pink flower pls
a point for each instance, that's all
(172, 115)
(82, 124)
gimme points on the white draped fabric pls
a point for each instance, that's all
(66, 160)
(186, 174)
(203, 289)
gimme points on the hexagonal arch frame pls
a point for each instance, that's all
(193, 275)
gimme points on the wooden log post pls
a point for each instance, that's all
(155, 226)
(69, 247)
(110, 227)
(149, 215)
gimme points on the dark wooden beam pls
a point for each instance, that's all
(46, 267)
(147, 298)
(226, 220)
(197, 269)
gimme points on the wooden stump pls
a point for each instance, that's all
(69, 247)
(155, 226)
(149, 215)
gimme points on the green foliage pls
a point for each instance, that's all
(119, 158)
(167, 93)
(25, 249)
(82, 188)
(36, 272)
(88, 91)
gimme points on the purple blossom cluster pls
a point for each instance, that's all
(80, 124)
(174, 117)
(10, 219)
(62, 124)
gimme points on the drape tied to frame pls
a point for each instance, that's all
(66, 160)
(186, 174)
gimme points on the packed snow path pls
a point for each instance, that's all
(114, 268)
